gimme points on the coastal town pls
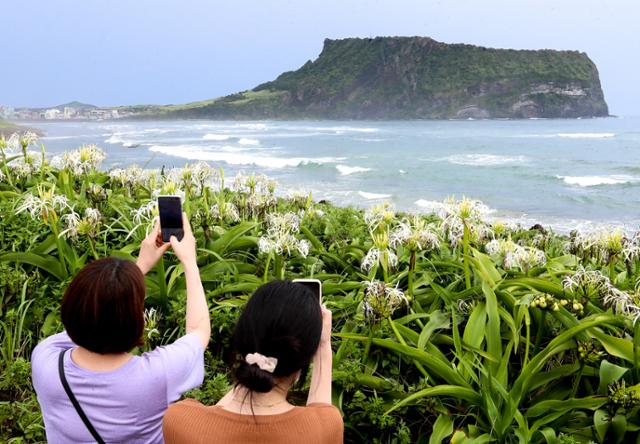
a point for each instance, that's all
(71, 111)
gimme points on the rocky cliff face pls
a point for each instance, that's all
(420, 78)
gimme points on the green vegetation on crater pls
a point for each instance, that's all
(415, 77)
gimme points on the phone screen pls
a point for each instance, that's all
(170, 210)
(312, 284)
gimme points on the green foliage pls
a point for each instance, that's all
(451, 328)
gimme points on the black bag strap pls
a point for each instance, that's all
(75, 402)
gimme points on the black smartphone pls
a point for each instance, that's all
(170, 209)
(312, 284)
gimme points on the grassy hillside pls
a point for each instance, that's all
(8, 128)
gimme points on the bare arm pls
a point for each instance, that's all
(321, 375)
(197, 320)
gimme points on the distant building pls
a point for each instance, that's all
(7, 112)
(69, 112)
(52, 114)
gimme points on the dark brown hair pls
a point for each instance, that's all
(103, 307)
(282, 320)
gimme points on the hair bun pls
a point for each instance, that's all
(254, 378)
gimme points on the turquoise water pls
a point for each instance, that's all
(564, 173)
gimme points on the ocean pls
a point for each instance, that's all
(565, 174)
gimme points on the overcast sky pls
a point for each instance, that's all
(113, 52)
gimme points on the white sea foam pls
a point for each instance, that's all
(115, 139)
(247, 141)
(349, 129)
(431, 206)
(61, 137)
(347, 170)
(372, 196)
(194, 152)
(592, 181)
(368, 139)
(402, 172)
(252, 126)
(478, 159)
(215, 137)
(587, 135)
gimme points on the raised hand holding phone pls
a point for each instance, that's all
(197, 317)
(151, 249)
(185, 247)
(312, 284)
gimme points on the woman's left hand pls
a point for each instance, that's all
(151, 249)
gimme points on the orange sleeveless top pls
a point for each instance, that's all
(190, 422)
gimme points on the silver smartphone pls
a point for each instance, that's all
(312, 284)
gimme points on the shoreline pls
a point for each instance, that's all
(298, 164)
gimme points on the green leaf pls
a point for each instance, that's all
(486, 268)
(609, 373)
(46, 263)
(226, 241)
(474, 330)
(435, 365)
(601, 423)
(437, 320)
(492, 334)
(452, 391)
(544, 407)
(619, 428)
(442, 428)
(618, 347)
(549, 435)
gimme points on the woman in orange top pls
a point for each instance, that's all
(281, 331)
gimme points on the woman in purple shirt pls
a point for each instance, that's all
(122, 396)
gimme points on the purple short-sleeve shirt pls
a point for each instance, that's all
(125, 405)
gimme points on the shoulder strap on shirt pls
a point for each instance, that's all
(75, 402)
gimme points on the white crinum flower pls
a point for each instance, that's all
(254, 184)
(381, 300)
(524, 258)
(145, 213)
(227, 212)
(283, 222)
(604, 243)
(415, 234)
(22, 168)
(129, 177)
(191, 177)
(80, 161)
(586, 283)
(631, 250)
(375, 256)
(504, 228)
(280, 237)
(620, 301)
(380, 215)
(88, 226)
(21, 141)
(46, 205)
(151, 322)
(514, 256)
(169, 187)
(455, 214)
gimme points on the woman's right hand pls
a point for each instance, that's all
(325, 336)
(185, 249)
